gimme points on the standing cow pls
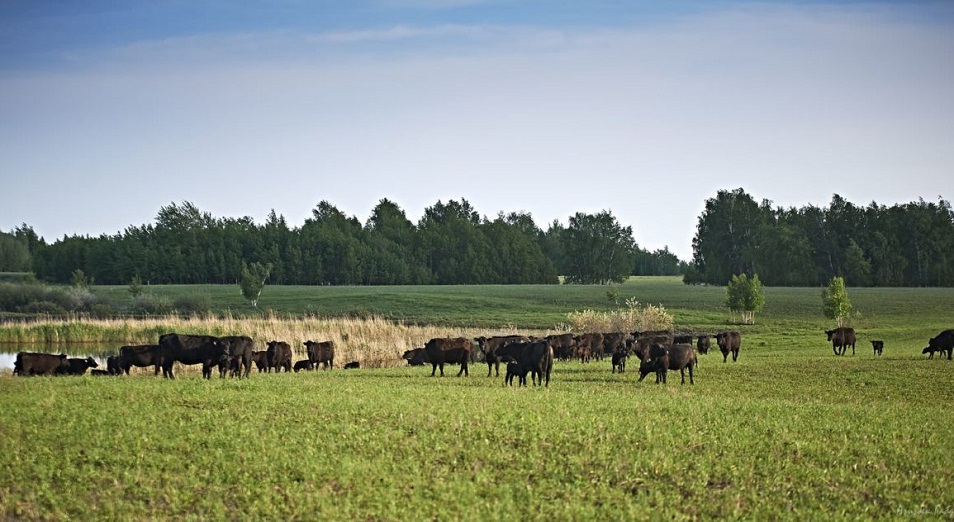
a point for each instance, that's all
(77, 366)
(206, 350)
(489, 346)
(322, 353)
(841, 338)
(729, 342)
(944, 342)
(454, 350)
(279, 356)
(31, 363)
(141, 356)
(535, 357)
(241, 349)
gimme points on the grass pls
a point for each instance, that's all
(789, 431)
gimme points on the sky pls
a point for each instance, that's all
(111, 110)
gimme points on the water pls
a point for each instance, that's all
(99, 352)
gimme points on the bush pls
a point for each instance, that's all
(193, 304)
(148, 304)
(632, 318)
(42, 307)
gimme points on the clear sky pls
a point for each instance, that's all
(110, 110)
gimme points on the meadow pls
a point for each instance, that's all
(789, 431)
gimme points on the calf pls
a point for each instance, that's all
(878, 347)
(353, 365)
(76, 366)
(261, 360)
(304, 364)
(515, 370)
(112, 365)
(100, 373)
(619, 360)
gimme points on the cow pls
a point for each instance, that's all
(878, 347)
(353, 365)
(279, 356)
(682, 339)
(455, 350)
(589, 345)
(303, 364)
(562, 345)
(416, 357)
(140, 356)
(514, 369)
(100, 373)
(676, 357)
(112, 365)
(729, 342)
(322, 353)
(76, 366)
(703, 344)
(841, 338)
(31, 363)
(260, 359)
(535, 357)
(241, 348)
(612, 343)
(944, 342)
(206, 350)
(619, 360)
(645, 342)
(488, 347)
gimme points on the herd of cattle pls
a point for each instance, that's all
(658, 352)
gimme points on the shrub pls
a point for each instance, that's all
(43, 308)
(193, 304)
(148, 304)
(630, 318)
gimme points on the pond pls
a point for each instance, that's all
(99, 352)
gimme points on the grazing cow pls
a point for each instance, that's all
(260, 359)
(878, 346)
(140, 356)
(241, 348)
(206, 350)
(841, 338)
(31, 363)
(944, 342)
(703, 344)
(562, 345)
(279, 356)
(77, 366)
(729, 342)
(304, 364)
(514, 369)
(353, 365)
(677, 357)
(489, 346)
(454, 350)
(322, 353)
(619, 360)
(535, 357)
(416, 357)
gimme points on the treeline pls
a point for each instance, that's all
(451, 244)
(908, 244)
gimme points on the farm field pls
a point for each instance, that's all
(789, 431)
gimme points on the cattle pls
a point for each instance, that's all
(488, 347)
(279, 356)
(944, 342)
(841, 338)
(589, 345)
(562, 345)
(241, 349)
(619, 360)
(31, 363)
(729, 342)
(76, 366)
(112, 365)
(703, 344)
(646, 341)
(535, 357)
(514, 369)
(612, 342)
(322, 353)
(682, 339)
(206, 350)
(878, 347)
(455, 350)
(416, 357)
(140, 356)
(100, 373)
(677, 357)
(353, 365)
(260, 359)
(304, 364)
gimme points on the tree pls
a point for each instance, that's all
(79, 279)
(745, 297)
(598, 250)
(837, 306)
(253, 280)
(14, 254)
(135, 286)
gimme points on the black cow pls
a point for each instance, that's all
(729, 342)
(76, 366)
(703, 344)
(31, 363)
(206, 350)
(489, 346)
(241, 349)
(261, 360)
(841, 338)
(878, 346)
(303, 364)
(322, 353)
(676, 357)
(279, 356)
(535, 357)
(353, 365)
(514, 369)
(140, 356)
(454, 350)
(612, 343)
(562, 345)
(944, 342)
(416, 357)
(112, 365)
(589, 345)
(619, 360)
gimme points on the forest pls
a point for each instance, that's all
(910, 245)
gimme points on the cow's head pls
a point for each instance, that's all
(91, 363)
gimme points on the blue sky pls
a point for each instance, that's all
(110, 110)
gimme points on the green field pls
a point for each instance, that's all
(789, 431)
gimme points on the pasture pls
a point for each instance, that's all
(789, 431)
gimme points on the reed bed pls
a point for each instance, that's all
(374, 342)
